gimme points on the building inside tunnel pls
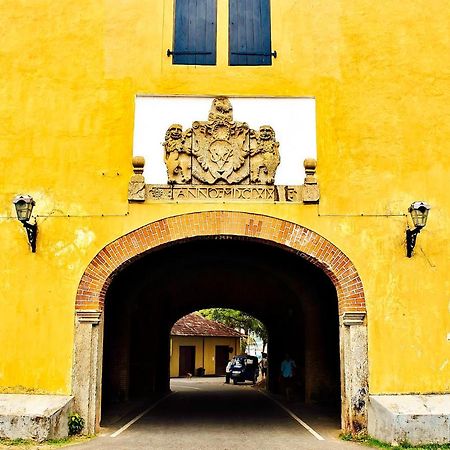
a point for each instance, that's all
(203, 347)
(294, 299)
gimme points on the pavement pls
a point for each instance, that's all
(204, 413)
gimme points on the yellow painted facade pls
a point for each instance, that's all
(380, 77)
(205, 349)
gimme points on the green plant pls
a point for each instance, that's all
(76, 424)
(374, 443)
(13, 442)
(51, 444)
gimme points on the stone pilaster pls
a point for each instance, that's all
(87, 368)
(354, 372)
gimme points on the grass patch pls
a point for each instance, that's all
(19, 444)
(375, 443)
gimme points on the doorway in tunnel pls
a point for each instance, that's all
(294, 299)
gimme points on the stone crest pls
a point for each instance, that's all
(221, 150)
(221, 160)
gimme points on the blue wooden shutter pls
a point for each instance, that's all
(249, 33)
(195, 32)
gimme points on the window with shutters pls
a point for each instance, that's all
(195, 32)
(249, 33)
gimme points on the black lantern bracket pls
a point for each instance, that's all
(411, 236)
(31, 229)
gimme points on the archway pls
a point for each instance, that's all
(294, 299)
(271, 232)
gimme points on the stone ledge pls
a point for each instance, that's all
(416, 419)
(89, 316)
(35, 417)
(353, 318)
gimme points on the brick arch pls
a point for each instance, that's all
(305, 242)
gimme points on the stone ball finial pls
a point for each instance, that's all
(310, 164)
(138, 162)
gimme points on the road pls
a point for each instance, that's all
(205, 414)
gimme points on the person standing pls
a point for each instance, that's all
(228, 372)
(264, 365)
(288, 367)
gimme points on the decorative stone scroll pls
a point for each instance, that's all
(221, 160)
(136, 186)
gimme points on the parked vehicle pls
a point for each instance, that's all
(244, 368)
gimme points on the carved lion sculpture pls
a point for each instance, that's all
(177, 155)
(264, 156)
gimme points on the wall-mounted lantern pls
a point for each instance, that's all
(24, 206)
(419, 214)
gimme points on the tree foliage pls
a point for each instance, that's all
(238, 320)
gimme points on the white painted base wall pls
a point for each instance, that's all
(35, 417)
(416, 419)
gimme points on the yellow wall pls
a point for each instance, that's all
(379, 73)
(206, 345)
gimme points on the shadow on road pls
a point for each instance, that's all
(205, 413)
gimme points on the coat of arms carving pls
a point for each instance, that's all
(224, 160)
(221, 150)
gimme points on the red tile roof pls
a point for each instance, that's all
(195, 325)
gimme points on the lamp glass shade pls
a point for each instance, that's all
(419, 213)
(24, 206)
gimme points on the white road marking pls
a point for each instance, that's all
(296, 418)
(187, 387)
(127, 425)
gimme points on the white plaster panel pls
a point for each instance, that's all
(293, 119)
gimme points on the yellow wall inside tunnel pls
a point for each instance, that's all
(204, 351)
(70, 73)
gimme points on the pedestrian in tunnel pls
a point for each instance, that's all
(228, 372)
(264, 365)
(287, 375)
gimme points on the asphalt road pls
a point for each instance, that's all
(206, 414)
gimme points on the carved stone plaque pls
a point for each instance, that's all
(221, 160)
(221, 150)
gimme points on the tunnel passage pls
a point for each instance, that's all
(294, 299)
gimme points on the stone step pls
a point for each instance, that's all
(416, 419)
(35, 417)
